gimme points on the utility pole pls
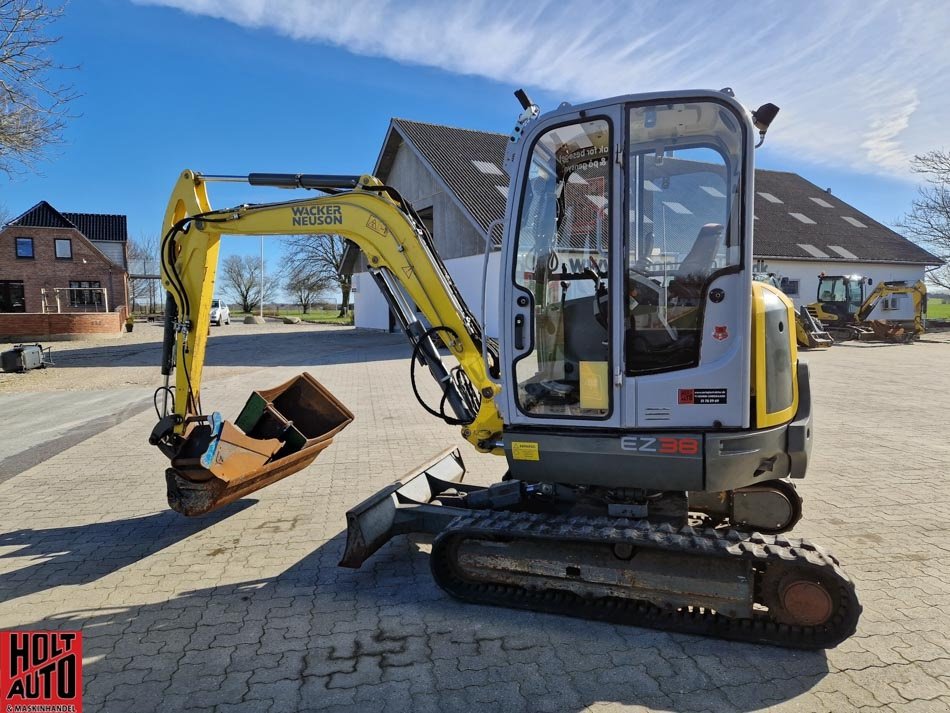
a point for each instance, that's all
(262, 277)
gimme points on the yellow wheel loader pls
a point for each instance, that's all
(648, 400)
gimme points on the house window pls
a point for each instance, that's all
(790, 287)
(24, 248)
(11, 296)
(85, 292)
(64, 249)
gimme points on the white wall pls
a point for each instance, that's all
(372, 312)
(806, 272)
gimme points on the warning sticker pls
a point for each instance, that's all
(525, 450)
(701, 397)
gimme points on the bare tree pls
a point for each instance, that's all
(929, 217)
(143, 257)
(5, 216)
(240, 276)
(305, 285)
(33, 108)
(322, 255)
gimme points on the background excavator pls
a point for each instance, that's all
(650, 404)
(849, 309)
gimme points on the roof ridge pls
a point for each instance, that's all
(447, 126)
(105, 215)
(38, 204)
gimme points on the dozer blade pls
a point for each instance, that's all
(279, 432)
(405, 506)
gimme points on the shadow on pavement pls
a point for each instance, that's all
(320, 346)
(97, 549)
(386, 638)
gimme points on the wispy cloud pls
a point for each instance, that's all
(862, 83)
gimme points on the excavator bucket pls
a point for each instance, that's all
(278, 432)
(886, 332)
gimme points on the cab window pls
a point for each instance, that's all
(682, 230)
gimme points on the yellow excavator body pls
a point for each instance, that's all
(650, 437)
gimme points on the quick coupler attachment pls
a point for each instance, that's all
(279, 432)
(406, 506)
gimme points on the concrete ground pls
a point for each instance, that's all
(245, 609)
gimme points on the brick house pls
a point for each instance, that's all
(62, 273)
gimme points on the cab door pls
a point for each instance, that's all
(560, 296)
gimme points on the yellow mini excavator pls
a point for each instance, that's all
(892, 311)
(647, 397)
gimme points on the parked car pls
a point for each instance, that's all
(220, 313)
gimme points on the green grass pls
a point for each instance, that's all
(314, 316)
(938, 310)
(322, 316)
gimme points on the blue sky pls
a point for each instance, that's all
(234, 86)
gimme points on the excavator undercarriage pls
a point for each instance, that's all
(677, 568)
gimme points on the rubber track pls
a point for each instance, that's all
(761, 550)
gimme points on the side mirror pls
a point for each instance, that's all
(762, 118)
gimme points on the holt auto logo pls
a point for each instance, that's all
(720, 332)
(40, 671)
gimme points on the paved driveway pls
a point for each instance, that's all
(245, 609)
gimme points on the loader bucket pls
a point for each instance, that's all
(278, 432)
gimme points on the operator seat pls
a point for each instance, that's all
(689, 278)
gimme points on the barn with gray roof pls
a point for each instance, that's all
(455, 180)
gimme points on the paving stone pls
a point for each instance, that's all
(246, 610)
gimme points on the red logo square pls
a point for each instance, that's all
(686, 396)
(41, 668)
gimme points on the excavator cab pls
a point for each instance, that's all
(840, 297)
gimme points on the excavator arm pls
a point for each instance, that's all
(917, 294)
(281, 430)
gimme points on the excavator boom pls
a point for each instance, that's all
(280, 431)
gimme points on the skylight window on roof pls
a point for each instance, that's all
(714, 192)
(853, 221)
(677, 207)
(813, 251)
(769, 197)
(503, 190)
(803, 218)
(487, 168)
(823, 203)
(842, 252)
